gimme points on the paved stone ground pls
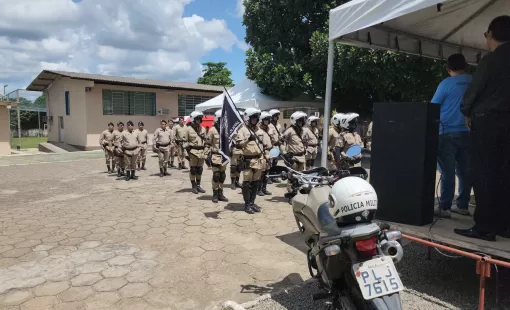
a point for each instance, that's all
(73, 237)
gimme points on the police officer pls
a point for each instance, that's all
(350, 137)
(194, 144)
(268, 138)
(293, 136)
(335, 142)
(173, 146)
(163, 138)
(131, 147)
(252, 159)
(276, 127)
(106, 143)
(117, 151)
(311, 138)
(235, 157)
(369, 137)
(218, 169)
(180, 134)
(143, 138)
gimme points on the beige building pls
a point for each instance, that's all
(5, 130)
(81, 105)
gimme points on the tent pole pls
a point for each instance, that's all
(327, 104)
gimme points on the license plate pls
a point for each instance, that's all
(377, 277)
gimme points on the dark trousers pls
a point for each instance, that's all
(491, 159)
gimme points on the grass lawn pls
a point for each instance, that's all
(28, 142)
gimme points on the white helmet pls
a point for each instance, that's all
(273, 112)
(217, 116)
(196, 114)
(311, 119)
(337, 119)
(350, 120)
(264, 115)
(296, 116)
(352, 200)
(248, 113)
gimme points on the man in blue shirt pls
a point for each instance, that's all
(454, 149)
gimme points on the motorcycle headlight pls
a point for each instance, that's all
(332, 250)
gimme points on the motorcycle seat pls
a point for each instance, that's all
(320, 171)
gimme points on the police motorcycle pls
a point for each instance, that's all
(352, 258)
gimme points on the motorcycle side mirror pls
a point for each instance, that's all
(353, 151)
(274, 153)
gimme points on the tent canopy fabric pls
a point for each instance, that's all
(429, 28)
(247, 94)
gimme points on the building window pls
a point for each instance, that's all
(309, 111)
(118, 102)
(68, 109)
(187, 103)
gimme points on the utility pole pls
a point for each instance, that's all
(19, 122)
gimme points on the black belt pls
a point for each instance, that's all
(296, 154)
(250, 157)
(163, 145)
(312, 145)
(197, 147)
(144, 142)
(130, 149)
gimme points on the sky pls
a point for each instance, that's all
(154, 39)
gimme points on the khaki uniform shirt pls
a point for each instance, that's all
(164, 138)
(117, 141)
(267, 142)
(350, 139)
(335, 138)
(196, 138)
(311, 138)
(295, 143)
(130, 142)
(213, 140)
(143, 137)
(180, 132)
(236, 150)
(250, 148)
(106, 139)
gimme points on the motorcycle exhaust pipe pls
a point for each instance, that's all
(392, 249)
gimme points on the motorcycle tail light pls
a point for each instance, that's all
(367, 248)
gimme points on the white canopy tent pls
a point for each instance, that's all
(429, 28)
(247, 94)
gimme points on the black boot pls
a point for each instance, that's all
(180, 166)
(172, 165)
(247, 198)
(215, 196)
(199, 188)
(133, 176)
(165, 171)
(119, 173)
(143, 165)
(259, 189)
(138, 166)
(128, 175)
(233, 183)
(109, 169)
(184, 166)
(194, 189)
(161, 173)
(237, 183)
(123, 172)
(269, 181)
(264, 183)
(221, 197)
(253, 195)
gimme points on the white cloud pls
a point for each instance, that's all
(139, 38)
(240, 7)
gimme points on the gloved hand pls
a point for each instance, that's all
(188, 148)
(252, 138)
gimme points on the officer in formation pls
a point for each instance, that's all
(143, 138)
(293, 137)
(130, 146)
(218, 168)
(163, 140)
(173, 149)
(252, 147)
(276, 127)
(194, 144)
(311, 139)
(106, 143)
(350, 137)
(335, 142)
(268, 138)
(236, 153)
(117, 151)
(180, 134)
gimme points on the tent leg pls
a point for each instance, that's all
(327, 104)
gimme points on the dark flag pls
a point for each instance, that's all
(229, 124)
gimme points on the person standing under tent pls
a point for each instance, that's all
(350, 138)
(218, 169)
(130, 145)
(117, 151)
(335, 142)
(194, 144)
(143, 138)
(106, 143)
(486, 108)
(247, 140)
(163, 138)
(454, 145)
(180, 133)
(311, 141)
(268, 137)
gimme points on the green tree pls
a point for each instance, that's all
(40, 102)
(288, 57)
(215, 73)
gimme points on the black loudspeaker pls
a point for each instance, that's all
(404, 161)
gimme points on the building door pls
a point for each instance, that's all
(61, 129)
